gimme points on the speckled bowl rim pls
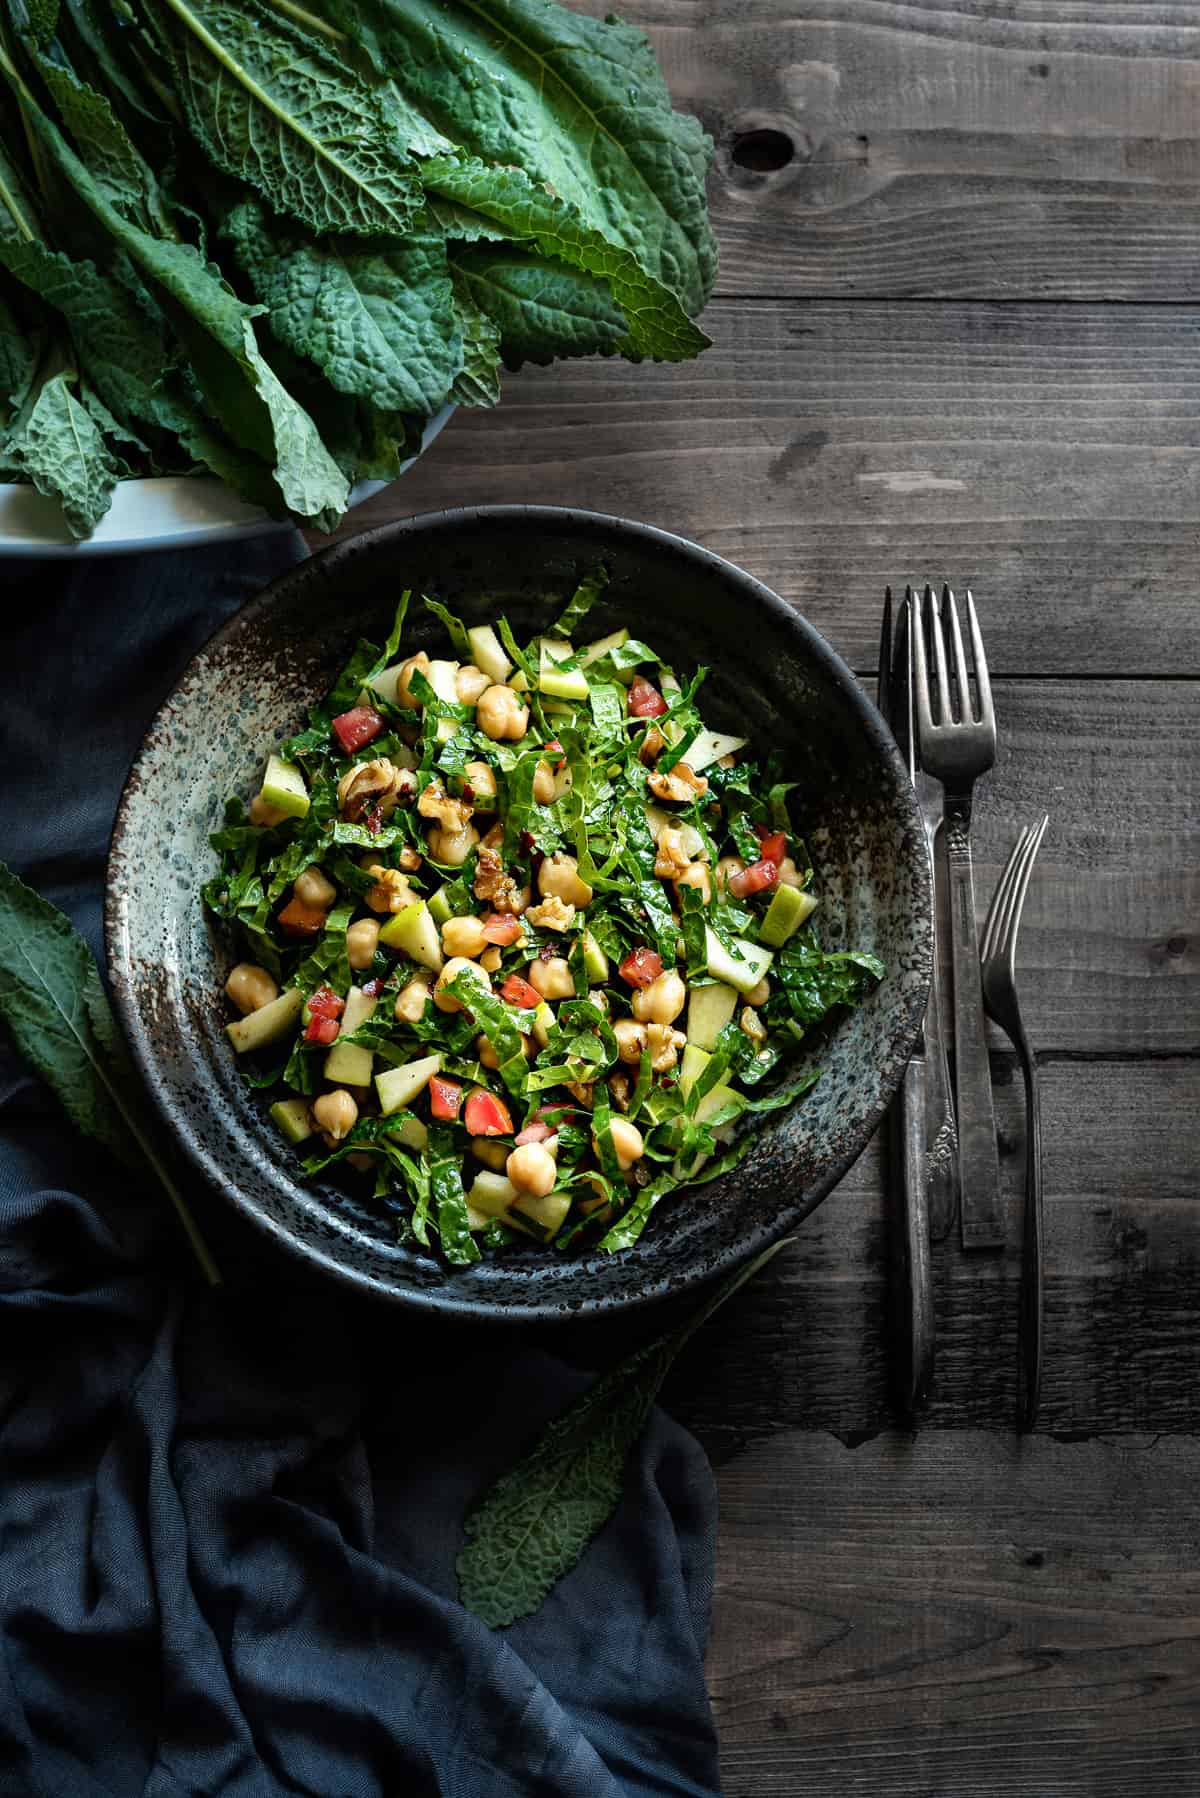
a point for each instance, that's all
(446, 1301)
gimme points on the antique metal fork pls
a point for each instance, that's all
(998, 964)
(911, 1114)
(956, 746)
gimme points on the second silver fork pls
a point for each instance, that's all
(956, 747)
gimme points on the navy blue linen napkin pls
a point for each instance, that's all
(228, 1521)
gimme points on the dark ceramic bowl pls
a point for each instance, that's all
(770, 671)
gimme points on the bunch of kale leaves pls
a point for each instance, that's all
(270, 240)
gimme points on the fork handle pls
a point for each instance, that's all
(912, 1291)
(941, 1135)
(978, 1161)
(1029, 1378)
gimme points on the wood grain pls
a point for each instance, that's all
(1046, 150)
(807, 1344)
(964, 1615)
(1048, 456)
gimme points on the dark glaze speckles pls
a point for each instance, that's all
(251, 685)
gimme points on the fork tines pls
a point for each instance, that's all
(954, 701)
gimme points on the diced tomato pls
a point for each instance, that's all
(372, 988)
(519, 992)
(486, 1115)
(536, 1130)
(641, 966)
(501, 928)
(556, 747)
(754, 879)
(773, 845)
(321, 1030)
(445, 1099)
(298, 919)
(646, 701)
(325, 1003)
(360, 725)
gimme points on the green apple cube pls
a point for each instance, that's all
(439, 907)
(710, 1008)
(694, 1062)
(788, 909)
(349, 1064)
(488, 654)
(293, 1119)
(560, 683)
(269, 1024)
(709, 747)
(543, 1024)
(398, 1087)
(413, 1134)
(744, 974)
(476, 1220)
(541, 1217)
(601, 647)
(715, 1101)
(595, 961)
(283, 787)
(414, 931)
(491, 1193)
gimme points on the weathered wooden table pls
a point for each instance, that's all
(957, 335)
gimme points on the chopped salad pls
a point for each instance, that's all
(527, 946)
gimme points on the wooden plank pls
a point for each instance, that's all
(967, 1614)
(806, 1345)
(1050, 150)
(1045, 455)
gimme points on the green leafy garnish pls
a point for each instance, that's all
(55, 1007)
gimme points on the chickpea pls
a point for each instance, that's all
(532, 1169)
(470, 684)
(492, 1154)
(552, 979)
(362, 1164)
(631, 1039)
(362, 940)
(759, 993)
(335, 1113)
(264, 814)
(544, 784)
(728, 864)
(452, 847)
(489, 1057)
(696, 875)
(501, 716)
(250, 987)
(558, 877)
(626, 1140)
(789, 874)
(404, 693)
(412, 999)
(662, 1001)
(459, 964)
(314, 887)
(464, 936)
(492, 959)
(482, 782)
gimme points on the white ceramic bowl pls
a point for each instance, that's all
(172, 512)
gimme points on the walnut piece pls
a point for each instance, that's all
(679, 787)
(453, 814)
(552, 914)
(492, 884)
(391, 891)
(672, 860)
(664, 1043)
(370, 786)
